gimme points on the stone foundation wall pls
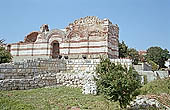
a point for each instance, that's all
(49, 72)
(153, 75)
(89, 65)
(52, 72)
(143, 67)
(30, 68)
(83, 80)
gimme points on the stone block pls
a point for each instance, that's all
(2, 76)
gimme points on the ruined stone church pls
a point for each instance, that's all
(88, 37)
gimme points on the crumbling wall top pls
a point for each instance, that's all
(44, 28)
(31, 37)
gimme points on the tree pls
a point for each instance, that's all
(116, 82)
(122, 50)
(5, 56)
(1, 41)
(157, 55)
(133, 54)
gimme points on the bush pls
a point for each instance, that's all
(145, 79)
(5, 56)
(116, 82)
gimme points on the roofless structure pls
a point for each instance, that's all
(88, 37)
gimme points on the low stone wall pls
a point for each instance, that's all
(77, 65)
(153, 75)
(30, 68)
(50, 72)
(83, 80)
(89, 65)
(142, 67)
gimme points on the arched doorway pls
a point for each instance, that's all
(55, 49)
(9, 48)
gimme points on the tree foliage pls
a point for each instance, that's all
(133, 54)
(116, 82)
(155, 67)
(1, 41)
(122, 50)
(5, 56)
(157, 55)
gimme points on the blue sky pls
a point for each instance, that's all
(143, 23)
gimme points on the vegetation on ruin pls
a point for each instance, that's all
(54, 98)
(116, 82)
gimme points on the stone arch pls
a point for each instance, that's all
(55, 51)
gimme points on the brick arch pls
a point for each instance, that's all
(55, 38)
(71, 34)
(55, 35)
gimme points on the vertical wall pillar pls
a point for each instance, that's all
(32, 53)
(18, 46)
(47, 48)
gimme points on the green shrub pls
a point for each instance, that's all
(116, 82)
(155, 67)
(5, 56)
(145, 79)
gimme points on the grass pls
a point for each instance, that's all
(157, 87)
(63, 98)
(55, 98)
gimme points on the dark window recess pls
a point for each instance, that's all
(84, 56)
(9, 48)
(60, 56)
(66, 57)
(55, 49)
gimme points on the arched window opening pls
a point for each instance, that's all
(55, 49)
(9, 48)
